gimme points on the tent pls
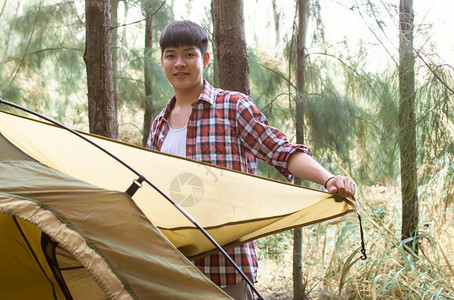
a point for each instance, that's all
(69, 229)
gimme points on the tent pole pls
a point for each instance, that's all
(177, 206)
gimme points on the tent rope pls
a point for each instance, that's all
(361, 231)
(363, 247)
(176, 205)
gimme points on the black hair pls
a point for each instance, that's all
(183, 33)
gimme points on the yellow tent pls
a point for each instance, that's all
(61, 189)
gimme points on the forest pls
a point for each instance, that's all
(368, 85)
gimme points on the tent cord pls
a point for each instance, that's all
(176, 205)
(363, 247)
(361, 231)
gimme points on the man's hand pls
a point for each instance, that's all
(341, 186)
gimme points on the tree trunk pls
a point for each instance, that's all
(9, 35)
(276, 26)
(407, 124)
(299, 285)
(148, 62)
(115, 51)
(230, 41)
(102, 115)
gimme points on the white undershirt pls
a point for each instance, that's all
(175, 142)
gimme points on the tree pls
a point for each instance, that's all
(9, 90)
(232, 62)
(407, 121)
(148, 62)
(115, 51)
(303, 16)
(277, 17)
(102, 114)
(37, 49)
(157, 91)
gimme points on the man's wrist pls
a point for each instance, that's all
(328, 180)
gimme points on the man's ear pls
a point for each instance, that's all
(161, 61)
(206, 59)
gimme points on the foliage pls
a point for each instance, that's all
(435, 110)
(267, 92)
(273, 246)
(351, 123)
(331, 256)
(42, 64)
(332, 120)
(350, 113)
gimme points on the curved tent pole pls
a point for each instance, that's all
(137, 183)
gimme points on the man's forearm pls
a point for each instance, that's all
(305, 167)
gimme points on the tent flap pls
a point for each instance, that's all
(62, 187)
(215, 197)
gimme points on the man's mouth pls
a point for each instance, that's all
(179, 74)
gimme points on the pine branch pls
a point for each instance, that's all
(349, 67)
(3, 8)
(41, 51)
(279, 74)
(139, 21)
(433, 72)
(26, 48)
(375, 35)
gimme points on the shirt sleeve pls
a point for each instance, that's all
(262, 140)
(153, 137)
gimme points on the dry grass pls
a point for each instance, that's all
(331, 261)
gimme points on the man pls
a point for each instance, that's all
(224, 128)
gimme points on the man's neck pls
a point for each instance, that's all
(188, 96)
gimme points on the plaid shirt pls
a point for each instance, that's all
(227, 129)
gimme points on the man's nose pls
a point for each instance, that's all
(180, 61)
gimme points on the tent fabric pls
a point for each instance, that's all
(123, 252)
(54, 184)
(233, 207)
(19, 266)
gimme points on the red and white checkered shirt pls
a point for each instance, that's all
(227, 129)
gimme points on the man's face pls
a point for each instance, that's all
(184, 66)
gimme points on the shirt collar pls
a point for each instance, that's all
(208, 95)
(168, 108)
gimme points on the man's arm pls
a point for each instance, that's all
(305, 167)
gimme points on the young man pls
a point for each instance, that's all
(224, 128)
